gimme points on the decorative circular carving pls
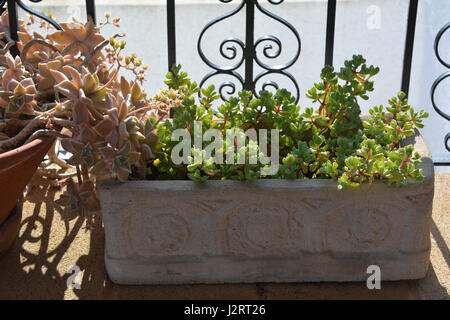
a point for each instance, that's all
(359, 225)
(262, 228)
(368, 225)
(265, 228)
(168, 232)
(160, 230)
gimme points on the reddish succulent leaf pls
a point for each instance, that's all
(104, 127)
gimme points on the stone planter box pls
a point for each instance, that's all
(179, 232)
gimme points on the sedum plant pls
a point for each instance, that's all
(330, 141)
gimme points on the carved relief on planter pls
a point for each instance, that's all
(362, 227)
(369, 226)
(314, 236)
(164, 231)
(419, 231)
(260, 230)
(179, 232)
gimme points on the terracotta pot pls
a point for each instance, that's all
(9, 229)
(16, 169)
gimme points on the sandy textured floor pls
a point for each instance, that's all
(51, 241)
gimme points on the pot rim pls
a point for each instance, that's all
(20, 154)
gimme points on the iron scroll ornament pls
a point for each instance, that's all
(246, 52)
(11, 32)
(38, 14)
(441, 78)
(33, 12)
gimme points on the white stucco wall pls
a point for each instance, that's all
(374, 28)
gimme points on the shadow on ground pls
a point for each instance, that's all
(51, 241)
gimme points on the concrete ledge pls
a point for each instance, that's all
(179, 232)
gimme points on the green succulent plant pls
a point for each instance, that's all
(331, 141)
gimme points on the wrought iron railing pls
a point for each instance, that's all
(249, 47)
(229, 47)
(436, 84)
